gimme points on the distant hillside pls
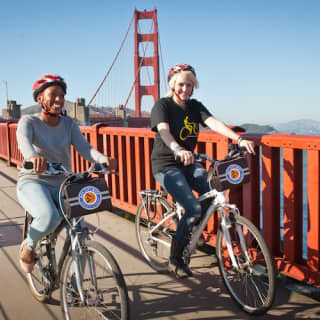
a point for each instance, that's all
(303, 126)
(255, 128)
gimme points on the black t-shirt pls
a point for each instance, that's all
(184, 126)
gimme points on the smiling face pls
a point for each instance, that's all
(183, 87)
(53, 98)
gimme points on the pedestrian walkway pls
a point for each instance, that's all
(152, 295)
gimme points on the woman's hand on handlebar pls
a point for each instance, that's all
(39, 164)
(112, 164)
(185, 156)
(248, 144)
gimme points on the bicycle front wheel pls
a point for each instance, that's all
(251, 282)
(155, 227)
(104, 289)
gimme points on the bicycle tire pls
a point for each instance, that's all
(40, 289)
(155, 247)
(253, 285)
(111, 301)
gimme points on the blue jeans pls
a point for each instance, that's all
(179, 183)
(41, 202)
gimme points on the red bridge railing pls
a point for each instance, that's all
(282, 198)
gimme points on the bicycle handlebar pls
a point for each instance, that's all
(54, 168)
(234, 151)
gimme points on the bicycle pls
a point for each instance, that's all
(90, 280)
(244, 260)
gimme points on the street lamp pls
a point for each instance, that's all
(6, 84)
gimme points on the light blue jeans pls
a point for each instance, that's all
(179, 183)
(41, 201)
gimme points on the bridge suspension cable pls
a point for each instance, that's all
(113, 62)
(162, 63)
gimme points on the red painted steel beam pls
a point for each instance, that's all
(313, 240)
(251, 191)
(292, 193)
(271, 197)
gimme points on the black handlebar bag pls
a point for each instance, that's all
(228, 174)
(86, 196)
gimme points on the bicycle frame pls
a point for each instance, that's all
(72, 242)
(218, 204)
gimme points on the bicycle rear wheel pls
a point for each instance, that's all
(154, 230)
(105, 291)
(252, 283)
(39, 279)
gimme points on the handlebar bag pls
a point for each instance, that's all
(227, 174)
(86, 196)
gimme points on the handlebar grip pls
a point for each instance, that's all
(100, 167)
(27, 165)
(177, 158)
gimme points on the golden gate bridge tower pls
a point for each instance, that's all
(142, 61)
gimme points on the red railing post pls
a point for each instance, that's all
(8, 144)
(313, 210)
(292, 193)
(271, 197)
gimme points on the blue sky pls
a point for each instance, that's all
(257, 61)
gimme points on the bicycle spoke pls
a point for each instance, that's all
(155, 225)
(251, 282)
(103, 287)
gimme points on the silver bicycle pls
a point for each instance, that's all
(245, 262)
(90, 280)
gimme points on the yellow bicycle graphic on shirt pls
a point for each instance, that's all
(190, 129)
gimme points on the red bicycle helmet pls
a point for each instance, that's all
(46, 81)
(178, 68)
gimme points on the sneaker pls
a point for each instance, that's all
(27, 258)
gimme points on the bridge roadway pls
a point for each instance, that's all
(152, 296)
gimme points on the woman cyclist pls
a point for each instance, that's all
(43, 137)
(175, 119)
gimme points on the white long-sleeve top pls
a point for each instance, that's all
(36, 138)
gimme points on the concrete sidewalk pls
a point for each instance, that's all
(152, 295)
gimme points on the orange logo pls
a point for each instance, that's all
(90, 197)
(234, 174)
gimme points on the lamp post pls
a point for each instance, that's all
(6, 84)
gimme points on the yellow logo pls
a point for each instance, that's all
(190, 129)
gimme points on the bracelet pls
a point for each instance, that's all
(177, 149)
(239, 141)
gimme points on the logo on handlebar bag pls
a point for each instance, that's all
(234, 174)
(90, 198)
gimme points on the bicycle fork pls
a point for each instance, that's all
(226, 225)
(79, 261)
(75, 243)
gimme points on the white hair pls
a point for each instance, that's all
(173, 79)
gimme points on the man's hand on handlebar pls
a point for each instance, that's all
(39, 164)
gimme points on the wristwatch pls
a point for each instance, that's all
(239, 140)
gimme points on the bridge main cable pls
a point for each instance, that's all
(112, 64)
